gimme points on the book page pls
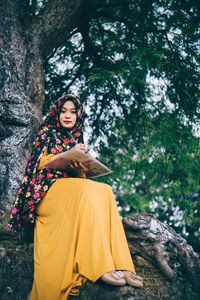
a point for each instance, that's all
(97, 169)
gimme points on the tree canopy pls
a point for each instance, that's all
(135, 64)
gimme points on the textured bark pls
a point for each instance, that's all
(25, 42)
(49, 28)
(159, 244)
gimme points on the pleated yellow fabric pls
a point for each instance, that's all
(78, 235)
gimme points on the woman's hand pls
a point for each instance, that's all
(76, 168)
(80, 147)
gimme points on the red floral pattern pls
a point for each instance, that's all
(36, 183)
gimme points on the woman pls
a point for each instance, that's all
(78, 234)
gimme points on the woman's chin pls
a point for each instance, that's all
(67, 126)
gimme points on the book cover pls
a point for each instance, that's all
(95, 170)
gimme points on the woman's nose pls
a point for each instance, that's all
(67, 115)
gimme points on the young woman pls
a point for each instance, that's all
(78, 234)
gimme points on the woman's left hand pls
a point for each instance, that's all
(76, 168)
(80, 147)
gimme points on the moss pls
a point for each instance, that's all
(16, 270)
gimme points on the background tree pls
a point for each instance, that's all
(111, 53)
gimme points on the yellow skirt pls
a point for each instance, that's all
(78, 235)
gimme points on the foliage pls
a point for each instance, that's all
(163, 170)
(119, 44)
(136, 66)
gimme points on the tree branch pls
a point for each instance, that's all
(96, 52)
(110, 4)
(24, 12)
(83, 59)
(49, 28)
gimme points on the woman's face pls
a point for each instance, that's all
(68, 115)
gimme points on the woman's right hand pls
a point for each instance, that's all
(80, 147)
(76, 168)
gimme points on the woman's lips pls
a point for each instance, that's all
(67, 122)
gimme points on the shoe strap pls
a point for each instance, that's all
(118, 274)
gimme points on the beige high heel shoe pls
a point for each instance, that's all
(114, 278)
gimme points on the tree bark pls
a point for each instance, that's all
(25, 42)
(49, 29)
(163, 247)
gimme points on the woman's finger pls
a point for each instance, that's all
(84, 168)
(76, 164)
(88, 164)
(80, 147)
(71, 163)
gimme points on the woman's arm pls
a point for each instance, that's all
(74, 167)
(46, 158)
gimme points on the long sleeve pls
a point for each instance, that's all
(46, 158)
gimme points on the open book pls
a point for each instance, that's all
(97, 169)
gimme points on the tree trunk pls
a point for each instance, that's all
(25, 42)
(20, 105)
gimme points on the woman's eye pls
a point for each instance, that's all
(72, 112)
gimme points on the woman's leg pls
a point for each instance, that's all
(118, 242)
(107, 234)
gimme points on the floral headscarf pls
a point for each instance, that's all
(36, 183)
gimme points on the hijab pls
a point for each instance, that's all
(35, 184)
